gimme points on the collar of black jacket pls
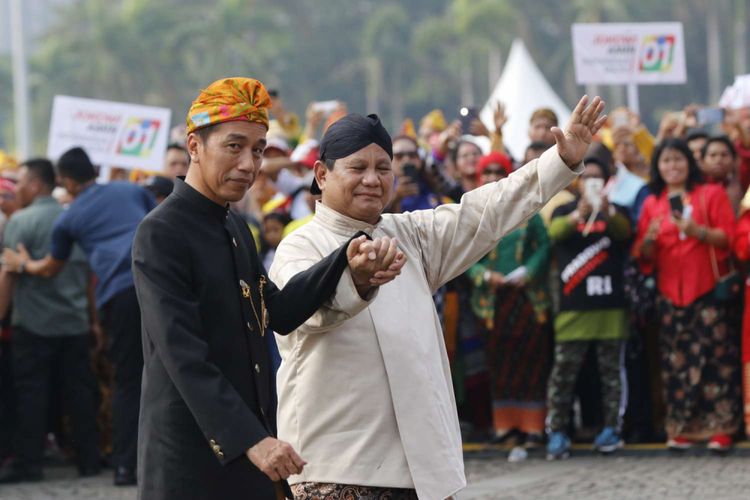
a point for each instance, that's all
(187, 192)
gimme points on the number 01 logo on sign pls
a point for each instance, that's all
(138, 137)
(657, 53)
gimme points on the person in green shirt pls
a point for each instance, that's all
(589, 238)
(52, 323)
(510, 300)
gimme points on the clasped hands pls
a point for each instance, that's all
(373, 263)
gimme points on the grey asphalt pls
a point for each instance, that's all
(620, 478)
(490, 476)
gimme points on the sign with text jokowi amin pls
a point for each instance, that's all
(112, 133)
(629, 53)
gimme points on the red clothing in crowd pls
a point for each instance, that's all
(683, 266)
(742, 250)
(743, 154)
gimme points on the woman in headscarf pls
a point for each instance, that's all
(512, 307)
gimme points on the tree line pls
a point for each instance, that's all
(399, 59)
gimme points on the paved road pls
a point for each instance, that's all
(615, 478)
(62, 483)
(492, 477)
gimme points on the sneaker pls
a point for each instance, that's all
(679, 443)
(518, 454)
(608, 441)
(558, 446)
(720, 443)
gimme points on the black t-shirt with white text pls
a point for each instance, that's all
(591, 266)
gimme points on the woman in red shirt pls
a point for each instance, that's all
(688, 250)
(742, 250)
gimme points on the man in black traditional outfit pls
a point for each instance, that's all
(208, 408)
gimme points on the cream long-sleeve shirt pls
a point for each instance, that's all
(365, 394)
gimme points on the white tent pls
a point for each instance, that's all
(737, 96)
(523, 89)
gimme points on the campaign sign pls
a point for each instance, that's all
(625, 53)
(112, 133)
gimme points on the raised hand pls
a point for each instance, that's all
(500, 117)
(449, 137)
(585, 122)
(477, 128)
(314, 116)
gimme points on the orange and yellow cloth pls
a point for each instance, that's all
(229, 99)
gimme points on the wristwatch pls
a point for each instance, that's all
(22, 267)
(702, 233)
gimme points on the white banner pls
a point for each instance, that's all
(623, 53)
(112, 133)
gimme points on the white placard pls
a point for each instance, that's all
(623, 53)
(112, 133)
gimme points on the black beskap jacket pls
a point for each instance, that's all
(208, 389)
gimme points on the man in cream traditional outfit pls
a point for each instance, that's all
(365, 392)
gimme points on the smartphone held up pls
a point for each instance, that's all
(709, 116)
(466, 116)
(325, 107)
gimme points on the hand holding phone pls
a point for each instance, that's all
(467, 115)
(709, 116)
(676, 206)
(325, 107)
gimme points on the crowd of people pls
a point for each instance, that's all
(617, 313)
